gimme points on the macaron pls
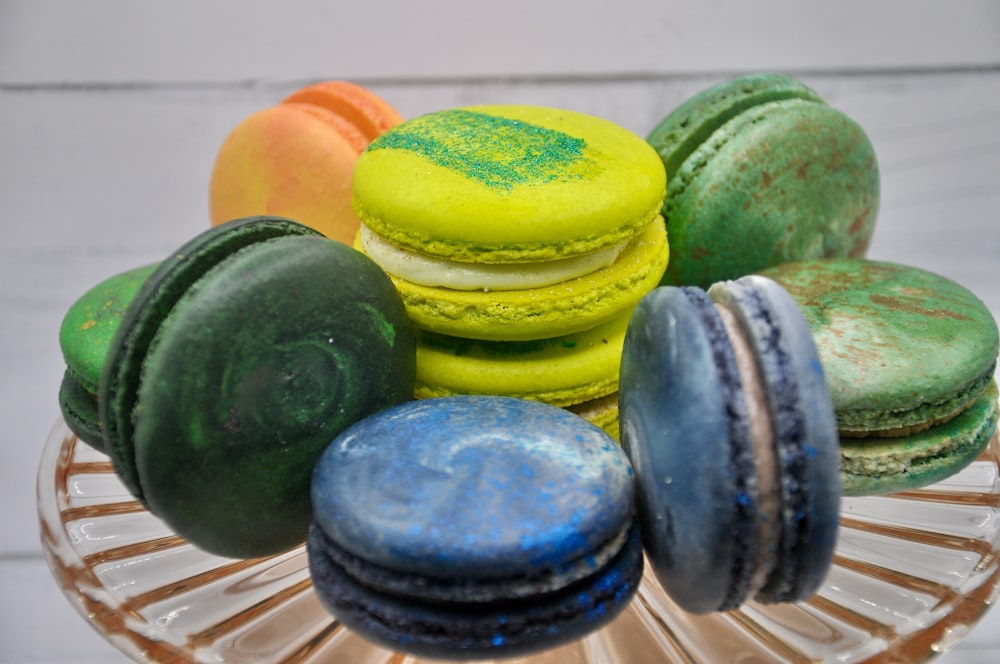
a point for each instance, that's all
(730, 428)
(578, 370)
(762, 171)
(296, 159)
(474, 527)
(910, 358)
(512, 222)
(242, 356)
(84, 337)
(520, 239)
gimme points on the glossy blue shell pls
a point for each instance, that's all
(473, 488)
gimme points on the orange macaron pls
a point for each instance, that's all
(296, 159)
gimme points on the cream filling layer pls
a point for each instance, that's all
(441, 272)
(765, 457)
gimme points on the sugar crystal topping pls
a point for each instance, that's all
(501, 153)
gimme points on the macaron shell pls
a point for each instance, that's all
(691, 123)
(362, 108)
(338, 123)
(805, 429)
(286, 161)
(785, 180)
(545, 312)
(473, 488)
(873, 466)
(92, 321)
(79, 411)
(674, 427)
(261, 362)
(508, 184)
(439, 630)
(562, 370)
(933, 342)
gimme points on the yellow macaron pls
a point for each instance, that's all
(513, 222)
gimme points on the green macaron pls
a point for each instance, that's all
(84, 337)
(762, 171)
(909, 357)
(242, 356)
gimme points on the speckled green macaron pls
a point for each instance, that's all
(84, 336)
(243, 355)
(761, 171)
(908, 356)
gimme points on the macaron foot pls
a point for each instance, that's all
(79, 411)
(880, 466)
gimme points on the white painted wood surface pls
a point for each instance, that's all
(111, 112)
(58, 41)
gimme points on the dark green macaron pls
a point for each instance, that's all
(84, 337)
(762, 171)
(909, 357)
(243, 355)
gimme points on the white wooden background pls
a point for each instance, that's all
(111, 112)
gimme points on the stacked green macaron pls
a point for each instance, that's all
(762, 171)
(909, 357)
(520, 239)
(765, 177)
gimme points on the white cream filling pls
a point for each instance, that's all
(441, 272)
(765, 456)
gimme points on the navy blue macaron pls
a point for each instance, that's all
(474, 526)
(729, 425)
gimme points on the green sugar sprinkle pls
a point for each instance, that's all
(499, 152)
(381, 323)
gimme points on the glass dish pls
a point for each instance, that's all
(912, 573)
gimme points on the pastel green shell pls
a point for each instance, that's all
(761, 171)
(901, 347)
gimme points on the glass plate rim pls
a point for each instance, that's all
(86, 593)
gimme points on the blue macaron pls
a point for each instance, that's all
(474, 526)
(729, 425)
